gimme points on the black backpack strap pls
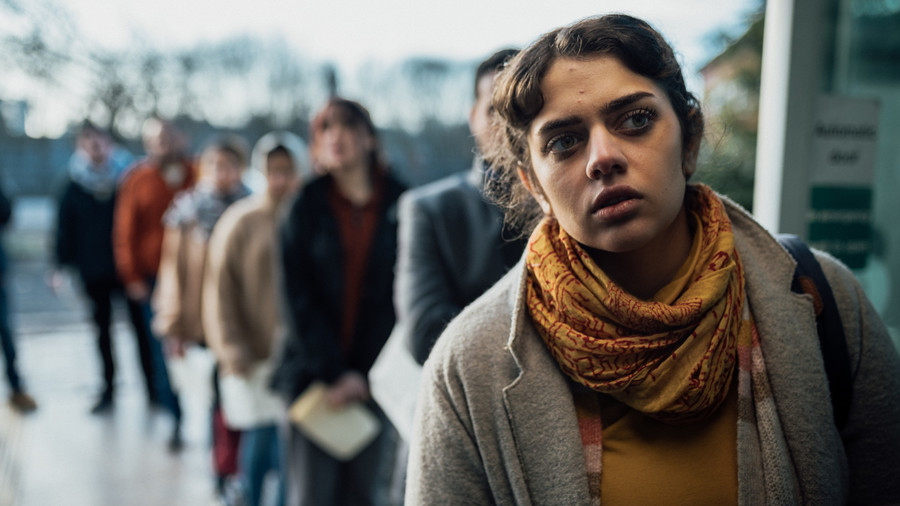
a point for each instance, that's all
(809, 278)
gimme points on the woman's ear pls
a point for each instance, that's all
(692, 147)
(689, 161)
(534, 189)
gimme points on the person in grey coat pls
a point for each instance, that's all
(452, 245)
(647, 349)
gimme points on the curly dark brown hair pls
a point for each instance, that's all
(517, 99)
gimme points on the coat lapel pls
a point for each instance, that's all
(542, 419)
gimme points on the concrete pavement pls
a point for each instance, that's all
(61, 453)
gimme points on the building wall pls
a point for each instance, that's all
(848, 50)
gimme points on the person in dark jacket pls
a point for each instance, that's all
(453, 244)
(18, 398)
(84, 244)
(338, 252)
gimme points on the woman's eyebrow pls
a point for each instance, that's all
(625, 101)
(608, 108)
(556, 124)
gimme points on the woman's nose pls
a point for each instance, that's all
(605, 154)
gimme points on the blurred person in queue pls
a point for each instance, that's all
(19, 398)
(188, 223)
(84, 243)
(144, 196)
(176, 300)
(241, 300)
(648, 349)
(452, 244)
(338, 249)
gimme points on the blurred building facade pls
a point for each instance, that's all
(828, 150)
(731, 108)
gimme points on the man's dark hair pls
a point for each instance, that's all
(231, 144)
(89, 127)
(493, 63)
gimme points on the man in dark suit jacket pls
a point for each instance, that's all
(452, 243)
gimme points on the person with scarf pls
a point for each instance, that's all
(84, 243)
(177, 296)
(648, 348)
(188, 223)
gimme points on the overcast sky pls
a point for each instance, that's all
(350, 32)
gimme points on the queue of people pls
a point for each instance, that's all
(619, 335)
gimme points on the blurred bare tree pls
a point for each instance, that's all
(425, 76)
(224, 83)
(39, 41)
(243, 83)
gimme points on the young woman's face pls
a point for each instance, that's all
(607, 155)
(341, 145)
(281, 177)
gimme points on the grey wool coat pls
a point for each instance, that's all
(496, 422)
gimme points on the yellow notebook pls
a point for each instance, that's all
(342, 433)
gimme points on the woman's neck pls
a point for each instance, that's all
(355, 183)
(644, 272)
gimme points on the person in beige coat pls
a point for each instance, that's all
(241, 308)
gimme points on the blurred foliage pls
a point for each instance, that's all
(727, 159)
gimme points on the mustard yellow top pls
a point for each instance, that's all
(645, 461)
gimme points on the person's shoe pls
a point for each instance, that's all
(175, 442)
(221, 479)
(22, 402)
(104, 404)
(152, 398)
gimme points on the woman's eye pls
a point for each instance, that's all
(638, 120)
(562, 143)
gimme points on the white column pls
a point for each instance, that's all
(794, 49)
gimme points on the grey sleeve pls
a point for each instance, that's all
(424, 296)
(872, 435)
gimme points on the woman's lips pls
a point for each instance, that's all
(615, 203)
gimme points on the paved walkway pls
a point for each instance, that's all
(62, 454)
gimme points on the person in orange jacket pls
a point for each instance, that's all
(144, 197)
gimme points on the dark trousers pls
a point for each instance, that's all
(167, 397)
(6, 340)
(101, 294)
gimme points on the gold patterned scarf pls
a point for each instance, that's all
(671, 358)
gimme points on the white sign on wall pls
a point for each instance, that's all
(844, 141)
(845, 133)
